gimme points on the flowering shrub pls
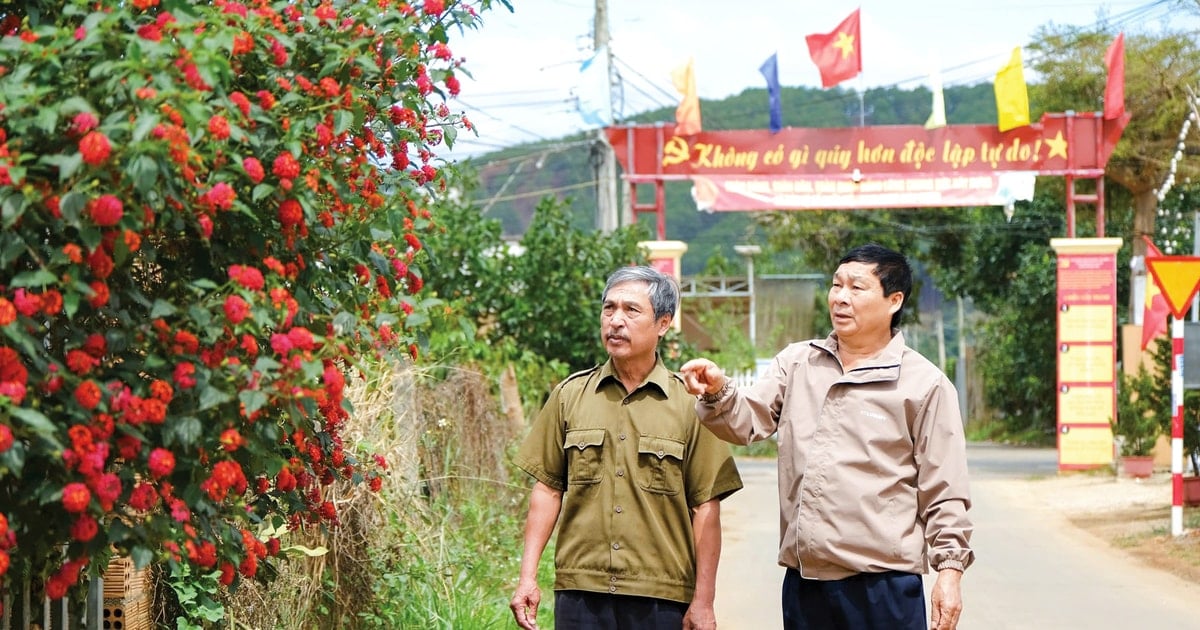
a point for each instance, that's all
(209, 211)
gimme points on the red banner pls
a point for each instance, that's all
(855, 167)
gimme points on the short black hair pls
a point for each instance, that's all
(891, 267)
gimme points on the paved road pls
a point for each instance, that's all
(1034, 570)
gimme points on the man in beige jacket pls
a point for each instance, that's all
(872, 460)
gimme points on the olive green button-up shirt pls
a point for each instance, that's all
(631, 467)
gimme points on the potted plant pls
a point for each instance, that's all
(1139, 420)
(1191, 446)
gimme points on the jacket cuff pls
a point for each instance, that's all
(717, 396)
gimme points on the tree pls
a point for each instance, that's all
(1160, 79)
(197, 247)
(537, 301)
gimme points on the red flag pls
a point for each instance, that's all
(1155, 309)
(1114, 87)
(838, 54)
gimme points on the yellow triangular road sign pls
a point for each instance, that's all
(1178, 277)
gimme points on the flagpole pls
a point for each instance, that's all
(862, 110)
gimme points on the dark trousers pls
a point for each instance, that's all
(867, 601)
(583, 610)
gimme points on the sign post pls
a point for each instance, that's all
(1178, 277)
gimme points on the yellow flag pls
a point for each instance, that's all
(1012, 96)
(687, 115)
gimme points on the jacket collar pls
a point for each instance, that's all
(883, 367)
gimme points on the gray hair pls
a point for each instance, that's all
(660, 287)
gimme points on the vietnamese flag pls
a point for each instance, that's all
(838, 54)
(1155, 309)
(1114, 87)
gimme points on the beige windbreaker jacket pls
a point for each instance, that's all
(872, 463)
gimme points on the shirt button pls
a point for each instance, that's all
(620, 472)
(661, 453)
(616, 545)
(612, 579)
(622, 436)
(612, 589)
(619, 510)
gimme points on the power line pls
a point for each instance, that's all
(545, 191)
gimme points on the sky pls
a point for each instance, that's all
(525, 64)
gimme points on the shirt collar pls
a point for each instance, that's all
(659, 376)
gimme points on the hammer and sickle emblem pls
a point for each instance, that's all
(675, 151)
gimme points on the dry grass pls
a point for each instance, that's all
(433, 433)
(1144, 533)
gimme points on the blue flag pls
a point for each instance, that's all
(770, 70)
(593, 93)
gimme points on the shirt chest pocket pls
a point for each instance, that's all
(584, 450)
(660, 465)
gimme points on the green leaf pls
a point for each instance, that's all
(205, 284)
(344, 322)
(13, 249)
(261, 191)
(145, 124)
(14, 205)
(187, 430)
(142, 556)
(72, 205)
(46, 119)
(66, 164)
(252, 400)
(212, 397)
(74, 105)
(13, 459)
(71, 304)
(342, 121)
(162, 309)
(266, 365)
(144, 171)
(36, 278)
(35, 420)
(415, 320)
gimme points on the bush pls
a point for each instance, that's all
(210, 212)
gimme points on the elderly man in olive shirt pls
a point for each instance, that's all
(872, 460)
(633, 481)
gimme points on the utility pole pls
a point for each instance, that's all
(602, 158)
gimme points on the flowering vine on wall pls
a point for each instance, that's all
(210, 211)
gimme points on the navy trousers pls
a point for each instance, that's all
(866, 601)
(583, 610)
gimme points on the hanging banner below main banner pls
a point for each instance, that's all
(928, 190)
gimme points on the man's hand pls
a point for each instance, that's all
(700, 617)
(702, 376)
(946, 603)
(524, 605)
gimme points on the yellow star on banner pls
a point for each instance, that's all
(1058, 146)
(845, 43)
